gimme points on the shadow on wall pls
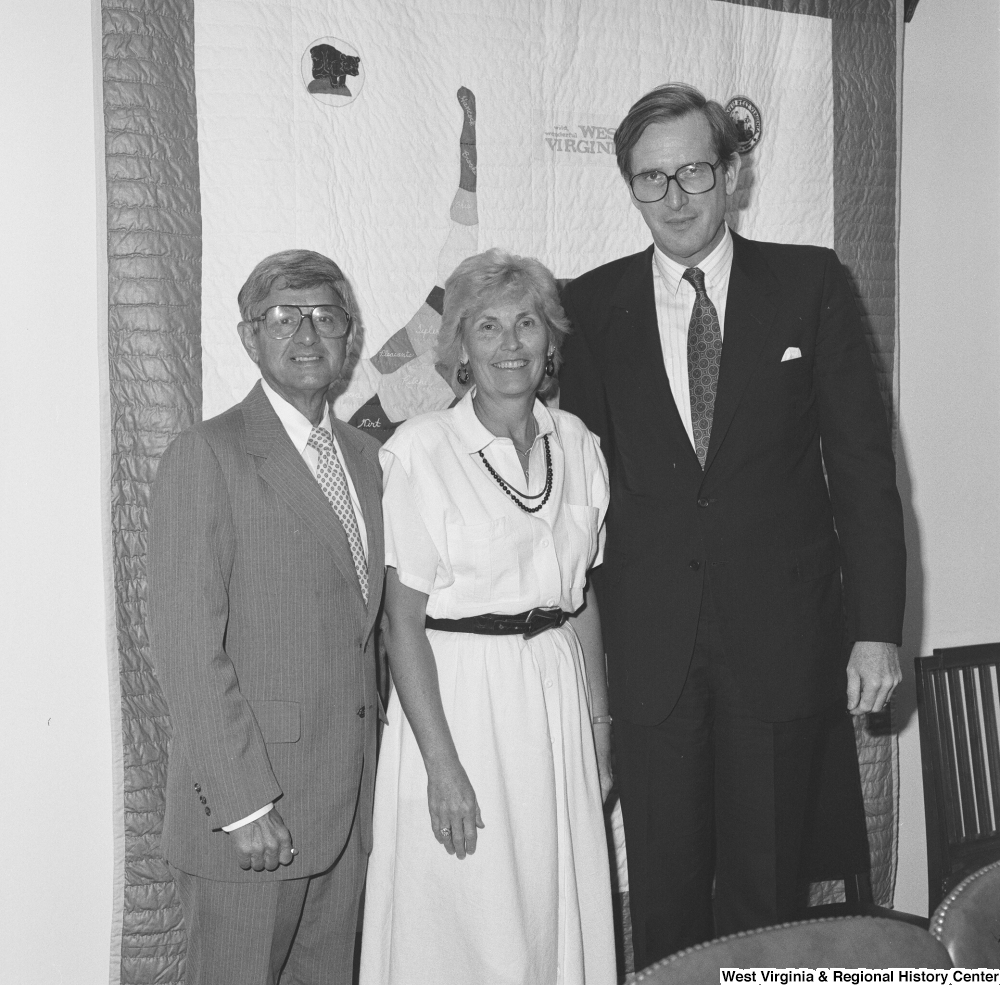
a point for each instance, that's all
(905, 699)
(910, 835)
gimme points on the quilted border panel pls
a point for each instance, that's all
(154, 354)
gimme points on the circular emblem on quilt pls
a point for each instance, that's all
(332, 71)
(746, 116)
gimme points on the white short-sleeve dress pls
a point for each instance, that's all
(532, 906)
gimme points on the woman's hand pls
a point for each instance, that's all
(454, 812)
(450, 797)
(602, 742)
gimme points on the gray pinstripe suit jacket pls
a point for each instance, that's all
(262, 641)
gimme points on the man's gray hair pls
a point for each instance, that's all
(669, 102)
(478, 281)
(292, 268)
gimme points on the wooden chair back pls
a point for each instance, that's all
(958, 707)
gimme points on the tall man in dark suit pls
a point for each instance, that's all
(744, 599)
(265, 579)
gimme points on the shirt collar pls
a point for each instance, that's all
(719, 260)
(295, 423)
(475, 436)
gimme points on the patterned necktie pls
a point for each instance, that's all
(704, 355)
(333, 482)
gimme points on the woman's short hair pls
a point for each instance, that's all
(668, 102)
(292, 268)
(478, 281)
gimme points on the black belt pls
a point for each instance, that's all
(528, 624)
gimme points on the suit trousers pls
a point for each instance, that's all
(296, 931)
(712, 795)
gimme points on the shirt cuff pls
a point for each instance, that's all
(250, 817)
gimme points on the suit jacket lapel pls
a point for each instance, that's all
(634, 329)
(365, 473)
(750, 310)
(282, 468)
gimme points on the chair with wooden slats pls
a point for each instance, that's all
(958, 706)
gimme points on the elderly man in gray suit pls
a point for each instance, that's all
(265, 574)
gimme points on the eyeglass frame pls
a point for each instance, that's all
(303, 315)
(673, 177)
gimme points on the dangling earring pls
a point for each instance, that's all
(463, 374)
(550, 366)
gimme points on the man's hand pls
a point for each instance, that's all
(872, 675)
(263, 844)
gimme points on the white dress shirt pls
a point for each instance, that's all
(675, 299)
(298, 427)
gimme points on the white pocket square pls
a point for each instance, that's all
(791, 353)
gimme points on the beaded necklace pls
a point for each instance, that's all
(513, 493)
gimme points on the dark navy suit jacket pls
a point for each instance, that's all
(801, 563)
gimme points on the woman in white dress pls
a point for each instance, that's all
(490, 862)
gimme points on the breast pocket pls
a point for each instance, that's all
(795, 376)
(579, 535)
(484, 562)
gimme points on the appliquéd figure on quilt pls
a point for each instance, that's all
(403, 374)
(330, 68)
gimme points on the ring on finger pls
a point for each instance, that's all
(445, 831)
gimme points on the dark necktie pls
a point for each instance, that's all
(333, 482)
(704, 350)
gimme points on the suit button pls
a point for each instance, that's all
(361, 712)
(694, 565)
(208, 811)
(202, 799)
(197, 788)
(703, 502)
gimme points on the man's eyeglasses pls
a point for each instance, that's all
(281, 321)
(695, 179)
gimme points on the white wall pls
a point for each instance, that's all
(55, 728)
(949, 361)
